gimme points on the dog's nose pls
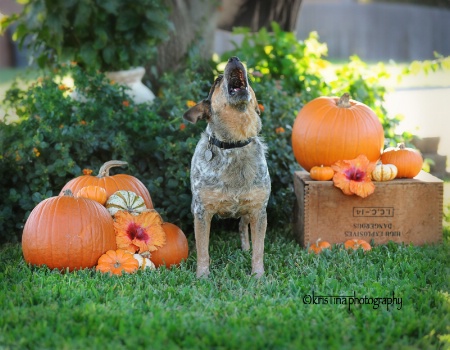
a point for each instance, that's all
(234, 58)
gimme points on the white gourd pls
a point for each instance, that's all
(125, 200)
(144, 263)
(384, 172)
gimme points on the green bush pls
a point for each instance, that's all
(57, 137)
(107, 35)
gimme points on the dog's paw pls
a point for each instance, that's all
(202, 272)
(258, 273)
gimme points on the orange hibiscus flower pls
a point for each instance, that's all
(353, 176)
(139, 233)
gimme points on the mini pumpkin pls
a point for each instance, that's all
(321, 173)
(174, 251)
(144, 262)
(95, 193)
(356, 244)
(384, 172)
(318, 246)
(125, 200)
(117, 262)
(407, 160)
(111, 183)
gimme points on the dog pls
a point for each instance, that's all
(229, 174)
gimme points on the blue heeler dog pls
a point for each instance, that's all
(229, 174)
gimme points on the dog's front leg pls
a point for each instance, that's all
(258, 226)
(202, 225)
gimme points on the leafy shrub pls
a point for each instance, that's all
(107, 35)
(56, 137)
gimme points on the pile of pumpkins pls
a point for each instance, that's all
(332, 129)
(75, 230)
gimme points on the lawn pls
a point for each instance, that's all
(172, 309)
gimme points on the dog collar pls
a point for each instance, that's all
(228, 145)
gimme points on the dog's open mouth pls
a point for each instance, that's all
(237, 81)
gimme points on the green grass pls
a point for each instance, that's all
(171, 309)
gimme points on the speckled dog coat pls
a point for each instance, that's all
(229, 174)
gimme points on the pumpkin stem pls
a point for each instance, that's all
(104, 170)
(344, 101)
(401, 145)
(68, 193)
(146, 254)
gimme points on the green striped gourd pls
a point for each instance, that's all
(125, 200)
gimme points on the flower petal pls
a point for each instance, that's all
(139, 233)
(353, 176)
(362, 189)
(341, 181)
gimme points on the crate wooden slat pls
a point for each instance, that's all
(402, 210)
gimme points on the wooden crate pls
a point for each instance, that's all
(402, 210)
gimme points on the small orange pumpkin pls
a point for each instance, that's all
(95, 193)
(321, 173)
(407, 160)
(174, 251)
(111, 183)
(356, 244)
(319, 246)
(116, 262)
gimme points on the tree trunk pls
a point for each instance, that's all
(195, 22)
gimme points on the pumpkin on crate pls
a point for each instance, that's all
(174, 251)
(117, 262)
(321, 173)
(407, 160)
(95, 193)
(65, 232)
(318, 246)
(111, 183)
(329, 129)
(384, 172)
(125, 200)
(356, 244)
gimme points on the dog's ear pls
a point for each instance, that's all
(201, 110)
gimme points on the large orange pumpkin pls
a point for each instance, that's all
(408, 161)
(112, 183)
(174, 251)
(67, 232)
(329, 129)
